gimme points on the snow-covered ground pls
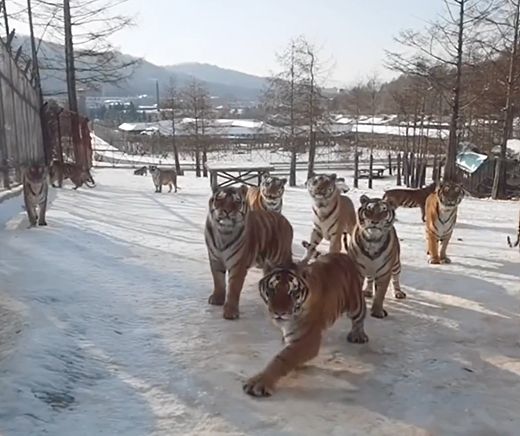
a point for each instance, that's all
(105, 327)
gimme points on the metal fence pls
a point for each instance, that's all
(21, 138)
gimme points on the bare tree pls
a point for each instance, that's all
(440, 54)
(173, 105)
(88, 26)
(311, 98)
(373, 88)
(282, 97)
(196, 106)
(511, 22)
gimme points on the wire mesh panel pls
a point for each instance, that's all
(21, 138)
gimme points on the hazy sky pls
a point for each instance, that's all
(245, 35)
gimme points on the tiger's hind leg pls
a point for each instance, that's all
(171, 187)
(377, 310)
(291, 357)
(218, 271)
(357, 333)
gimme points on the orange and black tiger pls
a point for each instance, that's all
(60, 171)
(410, 197)
(268, 196)
(517, 243)
(238, 238)
(375, 249)
(441, 217)
(303, 301)
(334, 214)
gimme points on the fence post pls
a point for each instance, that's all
(390, 163)
(4, 158)
(356, 168)
(370, 167)
(398, 181)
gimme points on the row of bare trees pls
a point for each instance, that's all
(294, 98)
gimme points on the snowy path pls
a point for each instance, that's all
(104, 328)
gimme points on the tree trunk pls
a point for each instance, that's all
(499, 181)
(197, 161)
(312, 155)
(292, 169)
(71, 83)
(450, 170)
(356, 165)
(370, 168)
(398, 181)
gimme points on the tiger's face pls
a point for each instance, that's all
(322, 186)
(284, 292)
(450, 194)
(375, 216)
(36, 173)
(228, 207)
(272, 188)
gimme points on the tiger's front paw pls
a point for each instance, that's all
(257, 386)
(379, 313)
(400, 295)
(445, 260)
(434, 261)
(42, 223)
(217, 299)
(230, 311)
(357, 337)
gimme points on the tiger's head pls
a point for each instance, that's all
(322, 186)
(375, 216)
(228, 207)
(272, 188)
(450, 193)
(36, 173)
(285, 292)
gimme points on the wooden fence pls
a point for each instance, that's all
(21, 135)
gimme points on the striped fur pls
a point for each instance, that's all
(268, 196)
(303, 301)
(410, 197)
(441, 217)
(236, 239)
(517, 243)
(77, 175)
(375, 249)
(334, 214)
(35, 192)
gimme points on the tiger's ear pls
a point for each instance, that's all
(283, 181)
(364, 199)
(243, 190)
(333, 176)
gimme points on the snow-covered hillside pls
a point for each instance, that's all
(105, 327)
